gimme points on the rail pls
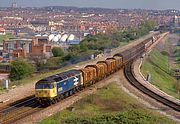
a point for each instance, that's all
(130, 76)
(19, 110)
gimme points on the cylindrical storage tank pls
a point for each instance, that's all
(6, 83)
(71, 37)
(64, 38)
(51, 36)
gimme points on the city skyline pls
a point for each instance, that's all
(124, 4)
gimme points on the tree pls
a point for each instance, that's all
(39, 61)
(57, 51)
(74, 48)
(20, 69)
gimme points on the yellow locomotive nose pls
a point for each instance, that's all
(45, 93)
(43, 90)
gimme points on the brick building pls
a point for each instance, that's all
(37, 46)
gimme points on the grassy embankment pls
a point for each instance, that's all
(157, 65)
(109, 105)
(177, 55)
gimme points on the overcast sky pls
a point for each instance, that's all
(133, 4)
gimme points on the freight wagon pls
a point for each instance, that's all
(89, 76)
(108, 65)
(100, 71)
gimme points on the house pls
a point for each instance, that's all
(2, 31)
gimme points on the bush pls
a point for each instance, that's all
(20, 69)
(57, 51)
(127, 117)
(165, 53)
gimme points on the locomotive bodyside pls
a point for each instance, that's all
(54, 87)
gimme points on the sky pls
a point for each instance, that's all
(124, 4)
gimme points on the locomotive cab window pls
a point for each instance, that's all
(58, 79)
(44, 86)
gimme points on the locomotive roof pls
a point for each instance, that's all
(59, 77)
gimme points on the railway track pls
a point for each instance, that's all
(19, 110)
(130, 76)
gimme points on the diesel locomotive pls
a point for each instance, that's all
(56, 87)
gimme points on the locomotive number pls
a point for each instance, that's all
(60, 89)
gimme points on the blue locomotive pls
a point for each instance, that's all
(52, 89)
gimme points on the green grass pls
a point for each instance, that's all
(177, 55)
(7, 36)
(109, 105)
(157, 65)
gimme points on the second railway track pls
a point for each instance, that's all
(130, 76)
(19, 110)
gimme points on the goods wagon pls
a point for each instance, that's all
(105, 68)
(99, 71)
(119, 61)
(109, 70)
(54, 87)
(89, 75)
(113, 64)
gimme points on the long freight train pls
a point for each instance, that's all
(56, 87)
